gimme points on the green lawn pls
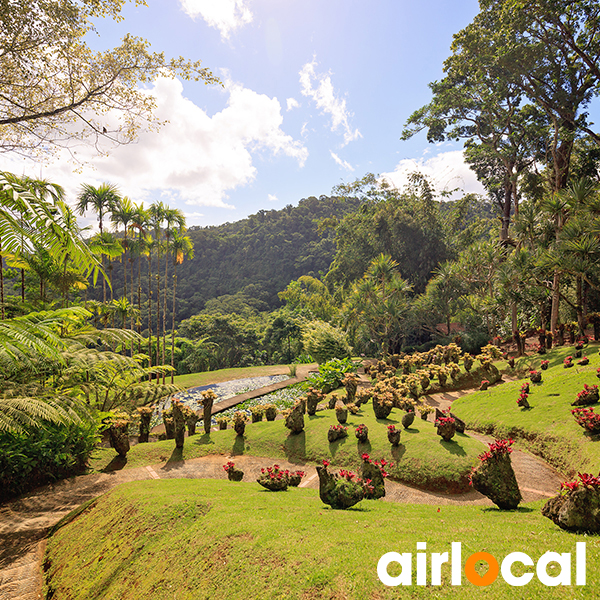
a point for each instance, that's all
(218, 540)
(207, 377)
(422, 458)
(548, 428)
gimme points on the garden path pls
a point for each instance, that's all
(25, 522)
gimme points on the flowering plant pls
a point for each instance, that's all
(497, 448)
(392, 428)
(230, 466)
(522, 400)
(274, 478)
(525, 388)
(233, 474)
(568, 362)
(587, 418)
(588, 395)
(585, 479)
(444, 421)
(584, 361)
(381, 464)
(544, 364)
(535, 376)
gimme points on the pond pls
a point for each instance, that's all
(224, 390)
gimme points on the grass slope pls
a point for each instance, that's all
(217, 540)
(548, 428)
(422, 459)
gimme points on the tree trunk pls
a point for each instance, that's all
(515, 329)
(158, 313)
(150, 310)
(140, 303)
(555, 303)
(579, 308)
(164, 325)
(506, 209)
(173, 323)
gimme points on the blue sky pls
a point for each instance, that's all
(316, 93)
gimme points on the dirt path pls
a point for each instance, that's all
(24, 523)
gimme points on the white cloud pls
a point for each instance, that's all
(344, 164)
(446, 171)
(325, 98)
(273, 198)
(292, 103)
(224, 15)
(195, 158)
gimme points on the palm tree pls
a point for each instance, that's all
(175, 222)
(560, 207)
(48, 192)
(181, 247)
(140, 222)
(122, 215)
(102, 200)
(157, 216)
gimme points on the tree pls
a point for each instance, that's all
(157, 213)
(405, 225)
(181, 247)
(55, 89)
(502, 135)
(378, 305)
(554, 66)
(102, 200)
(309, 293)
(122, 215)
(174, 223)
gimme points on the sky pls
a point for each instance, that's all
(315, 93)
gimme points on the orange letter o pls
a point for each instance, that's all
(473, 576)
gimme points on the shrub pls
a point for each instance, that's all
(44, 455)
(330, 375)
(588, 395)
(587, 418)
(325, 342)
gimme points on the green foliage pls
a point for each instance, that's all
(548, 428)
(231, 340)
(325, 342)
(256, 257)
(42, 455)
(330, 375)
(377, 306)
(309, 294)
(404, 225)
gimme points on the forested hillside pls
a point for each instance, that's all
(266, 251)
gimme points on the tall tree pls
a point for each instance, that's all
(122, 216)
(101, 200)
(55, 89)
(157, 217)
(378, 304)
(174, 220)
(181, 248)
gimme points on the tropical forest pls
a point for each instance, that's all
(270, 407)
